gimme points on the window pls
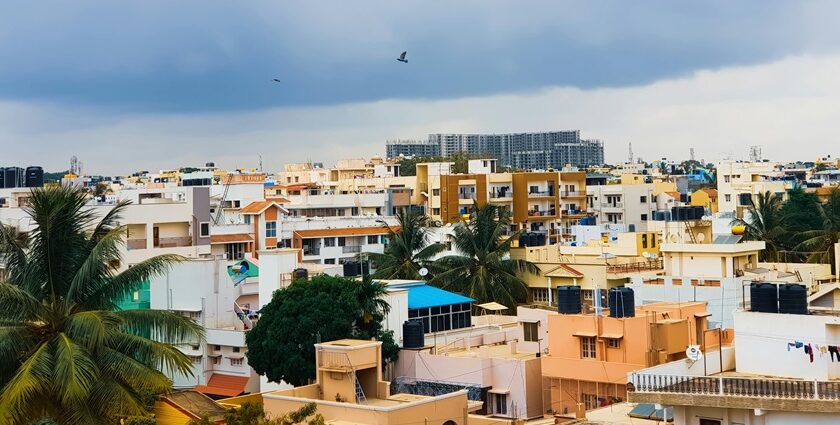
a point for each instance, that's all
(435, 211)
(435, 192)
(204, 229)
(644, 217)
(216, 360)
(383, 239)
(342, 241)
(329, 261)
(373, 239)
(271, 229)
(590, 401)
(643, 199)
(236, 362)
(247, 219)
(539, 295)
(587, 347)
(217, 347)
(500, 404)
(726, 179)
(196, 359)
(329, 241)
(530, 331)
(727, 197)
(613, 343)
(704, 421)
(587, 294)
(644, 240)
(136, 296)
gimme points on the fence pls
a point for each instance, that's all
(736, 386)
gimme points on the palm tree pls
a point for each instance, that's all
(765, 224)
(68, 353)
(484, 271)
(408, 248)
(371, 297)
(820, 243)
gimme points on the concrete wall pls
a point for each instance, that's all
(691, 415)
(721, 300)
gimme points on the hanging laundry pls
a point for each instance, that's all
(832, 350)
(810, 352)
(796, 344)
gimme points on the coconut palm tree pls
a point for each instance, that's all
(765, 224)
(484, 271)
(408, 248)
(68, 353)
(371, 297)
(820, 243)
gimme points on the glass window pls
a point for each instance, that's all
(236, 362)
(590, 401)
(444, 309)
(271, 229)
(247, 219)
(530, 331)
(372, 239)
(435, 310)
(587, 347)
(424, 312)
(329, 241)
(614, 343)
(204, 229)
(412, 313)
(342, 241)
(235, 349)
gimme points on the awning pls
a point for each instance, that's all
(705, 314)
(492, 306)
(499, 391)
(214, 355)
(612, 336)
(231, 238)
(587, 334)
(224, 385)
(236, 356)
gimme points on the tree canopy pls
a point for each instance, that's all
(408, 248)
(322, 308)
(69, 355)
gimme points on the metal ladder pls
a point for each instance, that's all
(690, 232)
(360, 394)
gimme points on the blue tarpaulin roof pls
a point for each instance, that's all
(425, 296)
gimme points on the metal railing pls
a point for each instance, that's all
(498, 194)
(351, 249)
(636, 267)
(311, 250)
(541, 193)
(736, 386)
(612, 204)
(173, 242)
(334, 360)
(571, 193)
(543, 213)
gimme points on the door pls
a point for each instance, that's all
(156, 236)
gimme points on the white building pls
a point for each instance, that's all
(738, 183)
(629, 204)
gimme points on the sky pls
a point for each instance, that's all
(152, 85)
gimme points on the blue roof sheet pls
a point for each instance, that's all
(424, 296)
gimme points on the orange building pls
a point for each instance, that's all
(589, 355)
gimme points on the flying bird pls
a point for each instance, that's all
(402, 58)
(276, 80)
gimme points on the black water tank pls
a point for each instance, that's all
(699, 212)
(13, 177)
(793, 299)
(622, 302)
(763, 297)
(34, 177)
(300, 273)
(355, 268)
(538, 239)
(2, 177)
(568, 299)
(413, 336)
(524, 240)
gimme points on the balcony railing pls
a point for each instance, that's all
(571, 193)
(612, 205)
(136, 244)
(498, 194)
(173, 242)
(547, 213)
(351, 249)
(311, 250)
(541, 193)
(736, 386)
(636, 267)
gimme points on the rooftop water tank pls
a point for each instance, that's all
(300, 273)
(568, 299)
(413, 335)
(763, 297)
(793, 299)
(622, 302)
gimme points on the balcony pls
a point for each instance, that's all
(173, 242)
(538, 193)
(351, 249)
(544, 213)
(612, 205)
(136, 244)
(311, 250)
(736, 392)
(572, 194)
(497, 194)
(642, 266)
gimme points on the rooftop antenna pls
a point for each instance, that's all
(261, 169)
(755, 153)
(630, 153)
(74, 165)
(691, 153)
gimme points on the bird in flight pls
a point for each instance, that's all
(402, 58)
(276, 80)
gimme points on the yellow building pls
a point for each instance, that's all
(180, 407)
(706, 198)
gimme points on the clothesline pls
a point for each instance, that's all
(810, 349)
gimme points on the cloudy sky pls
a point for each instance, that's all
(159, 84)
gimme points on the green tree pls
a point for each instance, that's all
(408, 248)
(246, 414)
(323, 308)
(68, 353)
(484, 271)
(765, 223)
(819, 243)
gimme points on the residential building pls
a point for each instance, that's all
(781, 369)
(630, 203)
(590, 355)
(706, 198)
(738, 183)
(349, 388)
(526, 151)
(421, 148)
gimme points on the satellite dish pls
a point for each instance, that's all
(646, 254)
(693, 353)
(423, 272)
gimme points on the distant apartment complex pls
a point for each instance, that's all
(527, 151)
